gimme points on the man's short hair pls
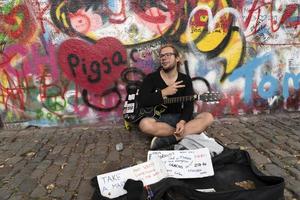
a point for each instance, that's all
(175, 51)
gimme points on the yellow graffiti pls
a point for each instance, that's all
(62, 15)
(233, 52)
(221, 40)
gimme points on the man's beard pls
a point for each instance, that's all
(167, 70)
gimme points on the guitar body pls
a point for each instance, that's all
(155, 111)
(140, 113)
(133, 113)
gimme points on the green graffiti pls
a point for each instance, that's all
(53, 104)
(39, 114)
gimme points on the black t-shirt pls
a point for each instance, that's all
(150, 94)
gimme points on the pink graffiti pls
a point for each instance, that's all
(85, 21)
(164, 19)
(32, 60)
(4, 59)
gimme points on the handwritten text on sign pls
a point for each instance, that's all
(185, 164)
(111, 184)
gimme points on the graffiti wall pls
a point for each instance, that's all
(68, 62)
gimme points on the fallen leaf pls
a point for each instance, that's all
(30, 154)
(50, 186)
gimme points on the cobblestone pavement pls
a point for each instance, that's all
(58, 163)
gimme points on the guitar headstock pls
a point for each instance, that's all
(211, 97)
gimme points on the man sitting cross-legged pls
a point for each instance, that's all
(177, 121)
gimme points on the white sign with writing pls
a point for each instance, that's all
(185, 163)
(111, 184)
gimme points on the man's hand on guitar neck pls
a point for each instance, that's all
(179, 128)
(171, 89)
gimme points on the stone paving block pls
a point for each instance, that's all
(82, 166)
(60, 160)
(68, 171)
(16, 197)
(17, 167)
(278, 162)
(5, 193)
(62, 181)
(28, 169)
(13, 160)
(235, 138)
(90, 148)
(80, 146)
(275, 170)
(85, 190)
(73, 158)
(91, 139)
(28, 185)
(288, 195)
(224, 131)
(258, 157)
(18, 178)
(44, 164)
(280, 153)
(296, 131)
(26, 149)
(293, 186)
(70, 195)
(113, 155)
(268, 145)
(127, 162)
(295, 172)
(293, 144)
(56, 150)
(4, 171)
(91, 171)
(37, 173)
(58, 192)
(74, 183)
(294, 137)
(50, 176)
(140, 155)
(101, 149)
(16, 146)
(67, 149)
(291, 161)
(95, 159)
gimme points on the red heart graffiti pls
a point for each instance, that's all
(93, 67)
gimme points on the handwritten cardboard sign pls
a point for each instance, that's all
(111, 184)
(185, 163)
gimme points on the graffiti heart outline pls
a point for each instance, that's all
(94, 67)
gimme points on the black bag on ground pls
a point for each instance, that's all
(236, 178)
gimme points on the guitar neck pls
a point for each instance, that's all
(180, 99)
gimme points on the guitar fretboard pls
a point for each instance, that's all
(180, 99)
